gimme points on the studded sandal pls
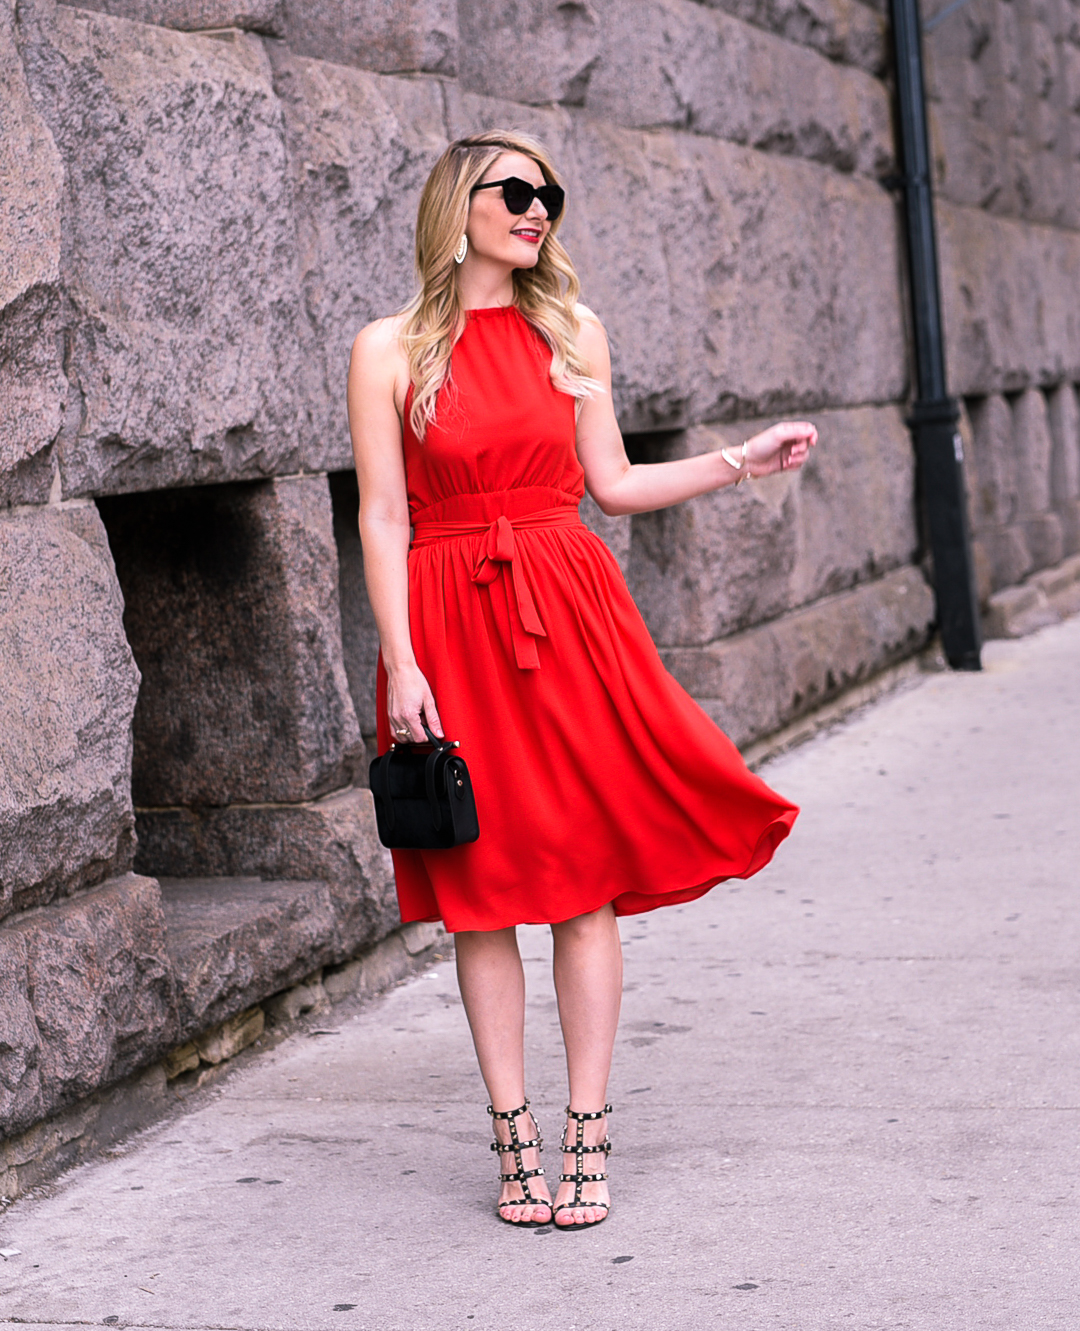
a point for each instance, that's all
(579, 1150)
(521, 1175)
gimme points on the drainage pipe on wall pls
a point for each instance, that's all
(934, 414)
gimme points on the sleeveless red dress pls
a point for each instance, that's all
(597, 777)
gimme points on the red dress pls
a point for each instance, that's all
(597, 777)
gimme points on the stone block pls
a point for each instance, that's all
(184, 1058)
(747, 315)
(753, 683)
(88, 997)
(675, 63)
(563, 42)
(294, 1002)
(420, 936)
(1006, 551)
(1045, 540)
(383, 966)
(1064, 419)
(235, 941)
(264, 16)
(359, 635)
(1069, 513)
(841, 29)
(969, 165)
(232, 612)
(1034, 447)
(1008, 293)
(994, 484)
(1061, 586)
(186, 341)
(1015, 612)
(227, 1039)
(360, 148)
(33, 387)
(332, 839)
(343, 981)
(392, 36)
(67, 695)
(726, 560)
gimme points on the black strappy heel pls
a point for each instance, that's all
(580, 1150)
(521, 1175)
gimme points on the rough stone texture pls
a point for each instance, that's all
(728, 560)
(992, 464)
(841, 29)
(1047, 597)
(755, 682)
(1009, 295)
(1005, 93)
(294, 1002)
(67, 692)
(359, 148)
(229, 1037)
(232, 613)
(33, 389)
(88, 997)
(187, 339)
(674, 63)
(387, 35)
(1023, 471)
(563, 41)
(266, 16)
(234, 941)
(1064, 413)
(332, 839)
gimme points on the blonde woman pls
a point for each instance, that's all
(479, 416)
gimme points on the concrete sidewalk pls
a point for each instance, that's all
(847, 1093)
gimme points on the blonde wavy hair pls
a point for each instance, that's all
(435, 317)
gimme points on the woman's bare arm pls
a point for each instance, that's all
(618, 486)
(375, 390)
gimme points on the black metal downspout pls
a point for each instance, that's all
(938, 451)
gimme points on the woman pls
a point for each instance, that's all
(478, 415)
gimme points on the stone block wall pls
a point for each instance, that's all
(1004, 88)
(202, 202)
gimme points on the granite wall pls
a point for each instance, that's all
(201, 203)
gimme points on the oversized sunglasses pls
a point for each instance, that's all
(519, 194)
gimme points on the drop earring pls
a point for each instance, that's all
(462, 249)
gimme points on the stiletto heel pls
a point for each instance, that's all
(579, 1150)
(521, 1175)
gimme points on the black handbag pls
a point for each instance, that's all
(423, 797)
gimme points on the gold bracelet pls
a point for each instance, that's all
(738, 466)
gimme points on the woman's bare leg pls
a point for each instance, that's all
(492, 984)
(588, 984)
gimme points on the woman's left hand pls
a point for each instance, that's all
(784, 446)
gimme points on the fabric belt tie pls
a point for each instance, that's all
(499, 554)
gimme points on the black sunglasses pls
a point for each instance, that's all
(519, 194)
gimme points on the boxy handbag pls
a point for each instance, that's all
(423, 798)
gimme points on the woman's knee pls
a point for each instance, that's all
(594, 924)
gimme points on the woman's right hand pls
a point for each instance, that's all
(408, 699)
